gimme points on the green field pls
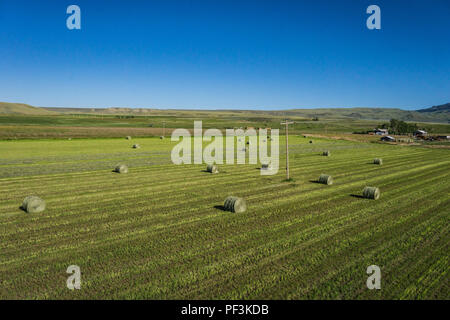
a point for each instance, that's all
(15, 127)
(159, 232)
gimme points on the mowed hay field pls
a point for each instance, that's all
(159, 232)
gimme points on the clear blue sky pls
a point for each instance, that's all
(225, 54)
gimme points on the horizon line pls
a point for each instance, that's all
(227, 109)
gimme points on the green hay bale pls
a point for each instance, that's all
(235, 204)
(128, 138)
(378, 161)
(136, 146)
(212, 168)
(371, 193)
(33, 204)
(326, 153)
(325, 179)
(121, 168)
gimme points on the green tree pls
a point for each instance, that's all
(401, 127)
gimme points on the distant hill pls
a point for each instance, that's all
(20, 108)
(441, 108)
(135, 111)
(372, 114)
(323, 113)
(434, 114)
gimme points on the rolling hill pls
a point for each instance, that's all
(443, 108)
(435, 115)
(22, 109)
(439, 113)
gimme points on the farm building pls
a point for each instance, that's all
(381, 132)
(420, 133)
(388, 138)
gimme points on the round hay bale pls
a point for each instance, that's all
(310, 141)
(248, 142)
(235, 204)
(325, 179)
(326, 153)
(378, 161)
(212, 168)
(371, 193)
(128, 138)
(33, 204)
(136, 146)
(121, 168)
(161, 137)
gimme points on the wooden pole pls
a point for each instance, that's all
(287, 147)
(287, 152)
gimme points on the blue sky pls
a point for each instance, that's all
(225, 54)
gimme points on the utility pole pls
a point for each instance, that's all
(286, 123)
